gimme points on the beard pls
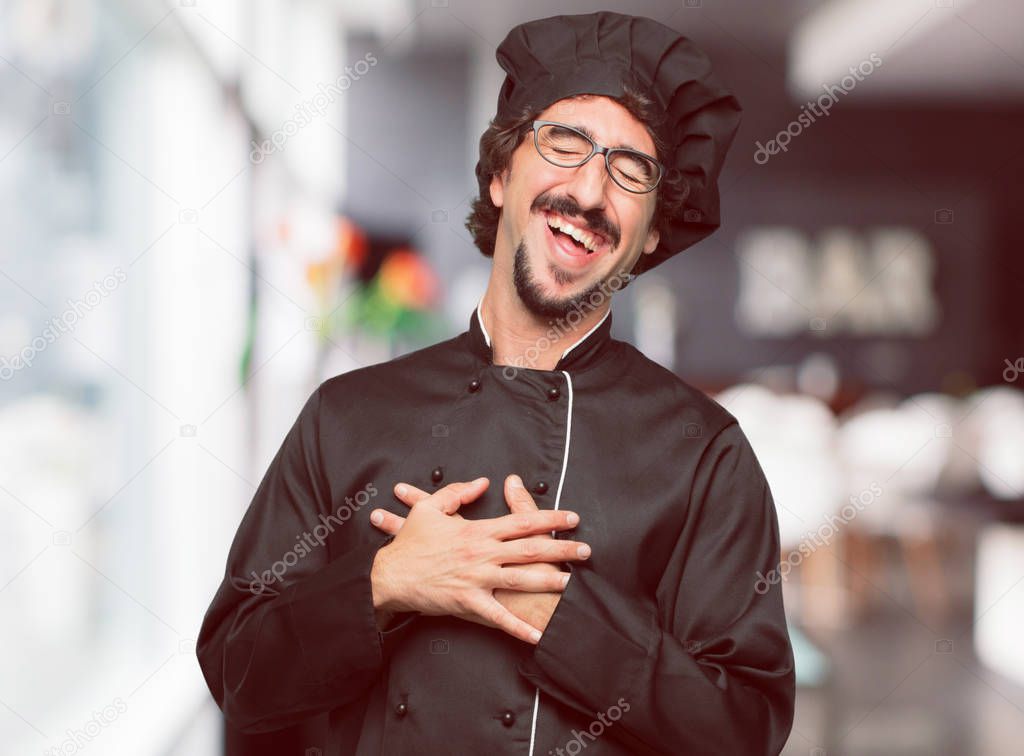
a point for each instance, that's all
(540, 304)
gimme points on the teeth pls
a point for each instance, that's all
(587, 240)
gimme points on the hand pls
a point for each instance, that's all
(440, 563)
(535, 608)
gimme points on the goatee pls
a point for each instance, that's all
(544, 306)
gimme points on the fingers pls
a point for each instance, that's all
(454, 495)
(541, 549)
(531, 580)
(517, 497)
(491, 610)
(408, 494)
(532, 523)
(447, 499)
(387, 521)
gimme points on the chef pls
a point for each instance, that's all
(530, 538)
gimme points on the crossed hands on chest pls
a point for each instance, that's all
(500, 572)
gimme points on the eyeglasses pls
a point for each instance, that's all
(567, 147)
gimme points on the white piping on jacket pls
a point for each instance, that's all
(480, 320)
(487, 336)
(558, 498)
(584, 337)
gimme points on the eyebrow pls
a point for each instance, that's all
(583, 129)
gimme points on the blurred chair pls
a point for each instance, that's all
(893, 458)
(991, 434)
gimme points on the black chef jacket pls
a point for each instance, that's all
(659, 643)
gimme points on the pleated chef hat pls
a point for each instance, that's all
(549, 59)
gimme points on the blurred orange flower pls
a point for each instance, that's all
(407, 280)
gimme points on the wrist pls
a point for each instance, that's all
(385, 602)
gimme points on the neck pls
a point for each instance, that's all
(524, 339)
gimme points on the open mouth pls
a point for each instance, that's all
(579, 244)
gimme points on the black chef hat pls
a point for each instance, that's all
(552, 58)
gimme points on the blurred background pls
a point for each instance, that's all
(210, 206)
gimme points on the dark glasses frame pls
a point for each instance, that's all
(597, 149)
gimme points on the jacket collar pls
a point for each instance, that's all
(584, 353)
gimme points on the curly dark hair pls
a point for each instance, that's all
(503, 137)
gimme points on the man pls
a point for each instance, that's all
(564, 552)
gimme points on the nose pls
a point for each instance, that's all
(588, 182)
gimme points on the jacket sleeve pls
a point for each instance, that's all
(707, 667)
(291, 630)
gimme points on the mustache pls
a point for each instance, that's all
(594, 220)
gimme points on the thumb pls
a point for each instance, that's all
(517, 497)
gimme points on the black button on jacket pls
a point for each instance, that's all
(661, 641)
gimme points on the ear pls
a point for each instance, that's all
(497, 189)
(652, 240)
